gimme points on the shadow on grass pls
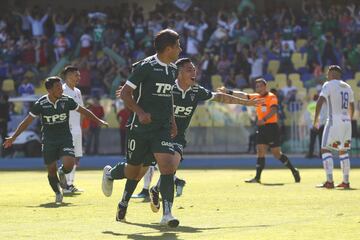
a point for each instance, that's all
(171, 233)
(52, 205)
(272, 184)
(347, 189)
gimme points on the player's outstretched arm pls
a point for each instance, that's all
(230, 99)
(88, 114)
(126, 94)
(22, 127)
(238, 94)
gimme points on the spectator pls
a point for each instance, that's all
(286, 65)
(256, 62)
(60, 23)
(94, 128)
(85, 43)
(289, 92)
(26, 87)
(37, 23)
(61, 45)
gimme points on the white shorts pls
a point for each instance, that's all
(77, 141)
(337, 135)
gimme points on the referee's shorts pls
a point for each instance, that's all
(268, 134)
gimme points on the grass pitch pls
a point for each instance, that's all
(216, 204)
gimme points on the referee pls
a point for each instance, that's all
(268, 134)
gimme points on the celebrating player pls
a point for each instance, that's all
(57, 142)
(147, 93)
(187, 95)
(268, 130)
(72, 78)
(339, 99)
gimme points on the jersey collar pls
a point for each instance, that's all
(54, 104)
(160, 62)
(183, 93)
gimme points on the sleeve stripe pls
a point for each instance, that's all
(212, 97)
(33, 115)
(133, 86)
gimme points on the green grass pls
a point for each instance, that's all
(216, 204)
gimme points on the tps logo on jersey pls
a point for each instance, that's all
(180, 110)
(55, 118)
(163, 88)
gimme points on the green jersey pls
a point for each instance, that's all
(152, 81)
(54, 117)
(185, 103)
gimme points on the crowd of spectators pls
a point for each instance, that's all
(232, 39)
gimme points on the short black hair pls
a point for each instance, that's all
(335, 68)
(262, 80)
(50, 81)
(69, 69)
(165, 38)
(182, 61)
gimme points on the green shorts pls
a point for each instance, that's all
(141, 146)
(55, 150)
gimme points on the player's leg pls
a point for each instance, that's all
(327, 158)
(147, 181)
(344, 155)
(179, 183)
(129, 189)
(260, 163)
(70, 177)
(54, 181)
(67, 155)
(276, 151)
(167, 165)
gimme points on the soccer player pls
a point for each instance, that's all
(57, 143)
(339, 99)
(187, 95)
(71, 76)
(147, 93)
(268, 134)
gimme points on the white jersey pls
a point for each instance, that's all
(74, 119)
(338, 95)
(337, 131)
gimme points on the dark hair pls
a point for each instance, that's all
(165, 38)
(182, 61)
(69, 69)
(50, 81)
(261, 80)
(335, 68)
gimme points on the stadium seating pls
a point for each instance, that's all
(280, 79)
(300, 43)
(273, 67)
(8, 85)
(299, 60)
(216, 81)
(41, 90)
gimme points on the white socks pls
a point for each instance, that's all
(345, 166)
(148, 177)
(328, 164)
(71, 176)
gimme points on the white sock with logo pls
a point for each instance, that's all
(345, 166)
(148, 177)
(328, 164)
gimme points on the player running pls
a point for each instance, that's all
(147, 93)
(268, 134)
(187, 96)
(57, 143)
(339, 98)
(72, 77)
